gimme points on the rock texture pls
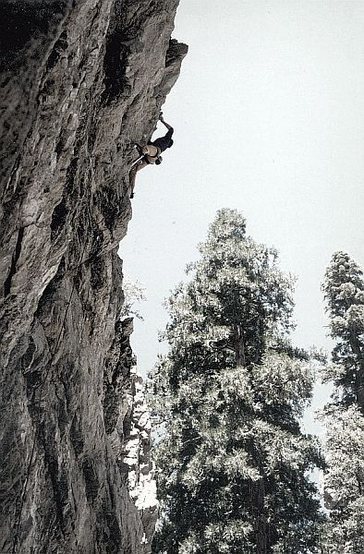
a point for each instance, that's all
(81, 81)
(135, 453)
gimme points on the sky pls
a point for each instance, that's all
(268, 114)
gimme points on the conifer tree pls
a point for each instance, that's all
(344, 416)
(232, 460)
(344, 293)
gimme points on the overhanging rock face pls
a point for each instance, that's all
(80, 83)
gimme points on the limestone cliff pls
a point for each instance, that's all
(81, 81)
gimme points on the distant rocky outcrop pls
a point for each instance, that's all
(81, 81)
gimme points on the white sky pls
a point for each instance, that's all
(269, 119)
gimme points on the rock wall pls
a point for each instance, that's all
(81, 81)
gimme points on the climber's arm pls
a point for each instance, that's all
(169, 127)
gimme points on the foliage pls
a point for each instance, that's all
(133, 294)
(344, 481)
(344, 478)
(232, 461)
(344, 293)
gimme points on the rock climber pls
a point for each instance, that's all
(151, 153)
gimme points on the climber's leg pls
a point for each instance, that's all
(132, 175)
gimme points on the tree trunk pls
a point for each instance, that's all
(261, 529)
(239, 347)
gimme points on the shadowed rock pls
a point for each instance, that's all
(80, 83)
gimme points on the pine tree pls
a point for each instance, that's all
(344, 416)
(232, 461)
(344, 293)
(344, 482)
